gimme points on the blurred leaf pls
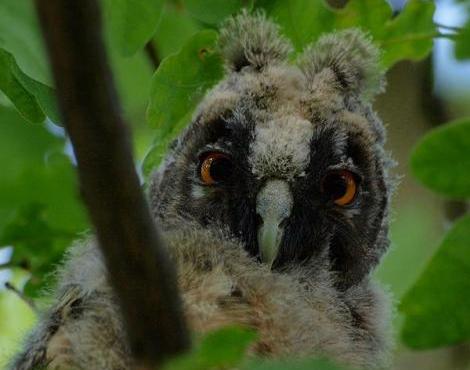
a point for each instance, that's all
(38, 247)
(161, 141)
(215, 11)
(462, 43)
(174, 29)
(155, 154)
(303, 21)
(33, 99)
(441, 160)
(38, 174)
(293, 364)
(414, 229)
(221, 349)
(182, 80)
(406, 36)
(20, 35)
(437, 307)
(370, 15)
(409, 35)
(17, 319)
(133, 22)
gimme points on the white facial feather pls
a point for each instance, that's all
(281, 148)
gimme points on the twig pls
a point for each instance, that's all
(152, 54)
(449, 28)
(139, 269)
(20, 295)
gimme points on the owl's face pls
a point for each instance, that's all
(287, 159)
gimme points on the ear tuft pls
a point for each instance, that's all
(252, 40)
(353, 59)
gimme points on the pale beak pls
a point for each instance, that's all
(274, 205)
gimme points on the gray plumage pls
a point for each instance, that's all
(264, 245)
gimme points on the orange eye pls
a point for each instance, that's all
(215, 167)
(340, 187)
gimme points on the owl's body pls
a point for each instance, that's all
(273, 204)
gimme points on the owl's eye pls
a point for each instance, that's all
(215, 167)
(340, 187)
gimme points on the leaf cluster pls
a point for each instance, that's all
(437, 307)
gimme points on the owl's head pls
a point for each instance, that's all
(286, 156)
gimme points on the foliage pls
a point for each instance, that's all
(407, 36)
(226, 349)
(442, 159)
(437, 307)
(462, 47)
(292, 364)
(219, 10)
(182, 79)
(223, 348)
(133, 22)
(23, 69)
(40, 213)
(33, 99)
(39, 209)
(20, 36)
(178, 85)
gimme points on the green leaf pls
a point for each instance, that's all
(160, 144)
(33, 99)
(462, 43)
(410, 35)
(222, 349)
(215, 11)
(174, 29)
(182, 80)
(38, 195)
(133, 22)
(20, 35)
(441, 160)
(407, 36)
(369, 15)
(303, 21)
(293, 364)
(38, 246)
(437, 307)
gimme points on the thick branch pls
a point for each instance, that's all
(139, 269)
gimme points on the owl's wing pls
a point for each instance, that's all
(82, 329)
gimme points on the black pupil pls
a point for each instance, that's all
(221, 168)
(335, 186)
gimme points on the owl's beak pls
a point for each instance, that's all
(274, 205)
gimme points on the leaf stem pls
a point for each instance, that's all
(449, 28)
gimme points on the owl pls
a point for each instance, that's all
(273, 204)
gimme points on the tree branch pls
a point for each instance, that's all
(139, 268)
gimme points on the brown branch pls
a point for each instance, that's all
(139, 269)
